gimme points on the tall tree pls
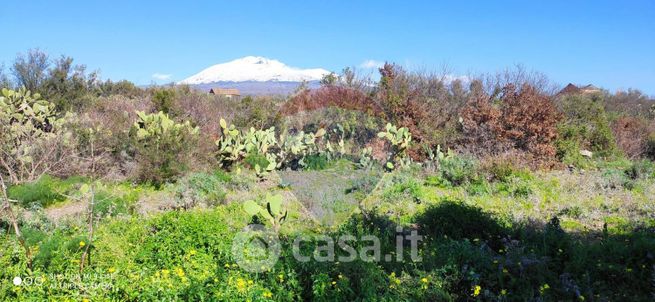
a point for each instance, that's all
(4, 80)
(31, 70)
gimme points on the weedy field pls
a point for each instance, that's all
(524, 235)
(112, 192)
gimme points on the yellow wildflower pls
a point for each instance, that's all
(241, 284)
(82, 243)
(111, 270)
(476, 290)
(424, 280)
(267, 294)
(543, 288)
(179, 271)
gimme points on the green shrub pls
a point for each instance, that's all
(613, 178)
(515, 186)
(316, 162)
(163, 148)
(410, 188)
(642, 169)
(201, 189)
(568, 149)
(501, 171)
(109, 204)
(479, 187)
(164, 99)
(455, 170)
(458, 170)
(253, 160)
(585, 126)
(46, 191)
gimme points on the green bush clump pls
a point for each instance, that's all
(253, 160)
(458, 170)
(201, 189)
(111, 204)
(454, 170)
(162, 147)
(316, 162)
(410, 188)
(164, 99)
(585, 126)
(641, 169)
(46, 191)
(613, 178)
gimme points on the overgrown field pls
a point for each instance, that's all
(115, 193)
(545, 235)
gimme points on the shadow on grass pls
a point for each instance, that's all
(465, 247)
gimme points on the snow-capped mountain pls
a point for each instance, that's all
(254, 69)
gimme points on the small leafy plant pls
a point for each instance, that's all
(273, 211)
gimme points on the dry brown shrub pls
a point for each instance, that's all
(523, 120)
(530, 121)
(379, 149)
(204, 111)
(330, 96)
(401, 103)
(111, 117)
(631, 134)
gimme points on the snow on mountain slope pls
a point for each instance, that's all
(257, 69)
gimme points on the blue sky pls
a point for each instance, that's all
(607, 43)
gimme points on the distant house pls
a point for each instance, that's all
(226, 92)
(572, 89)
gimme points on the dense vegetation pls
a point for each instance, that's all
(114, 192)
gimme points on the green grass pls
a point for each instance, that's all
(46, 191)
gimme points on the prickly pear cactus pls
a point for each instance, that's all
(29, 131)
(400, 139)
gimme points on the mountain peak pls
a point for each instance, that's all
(254, 68)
